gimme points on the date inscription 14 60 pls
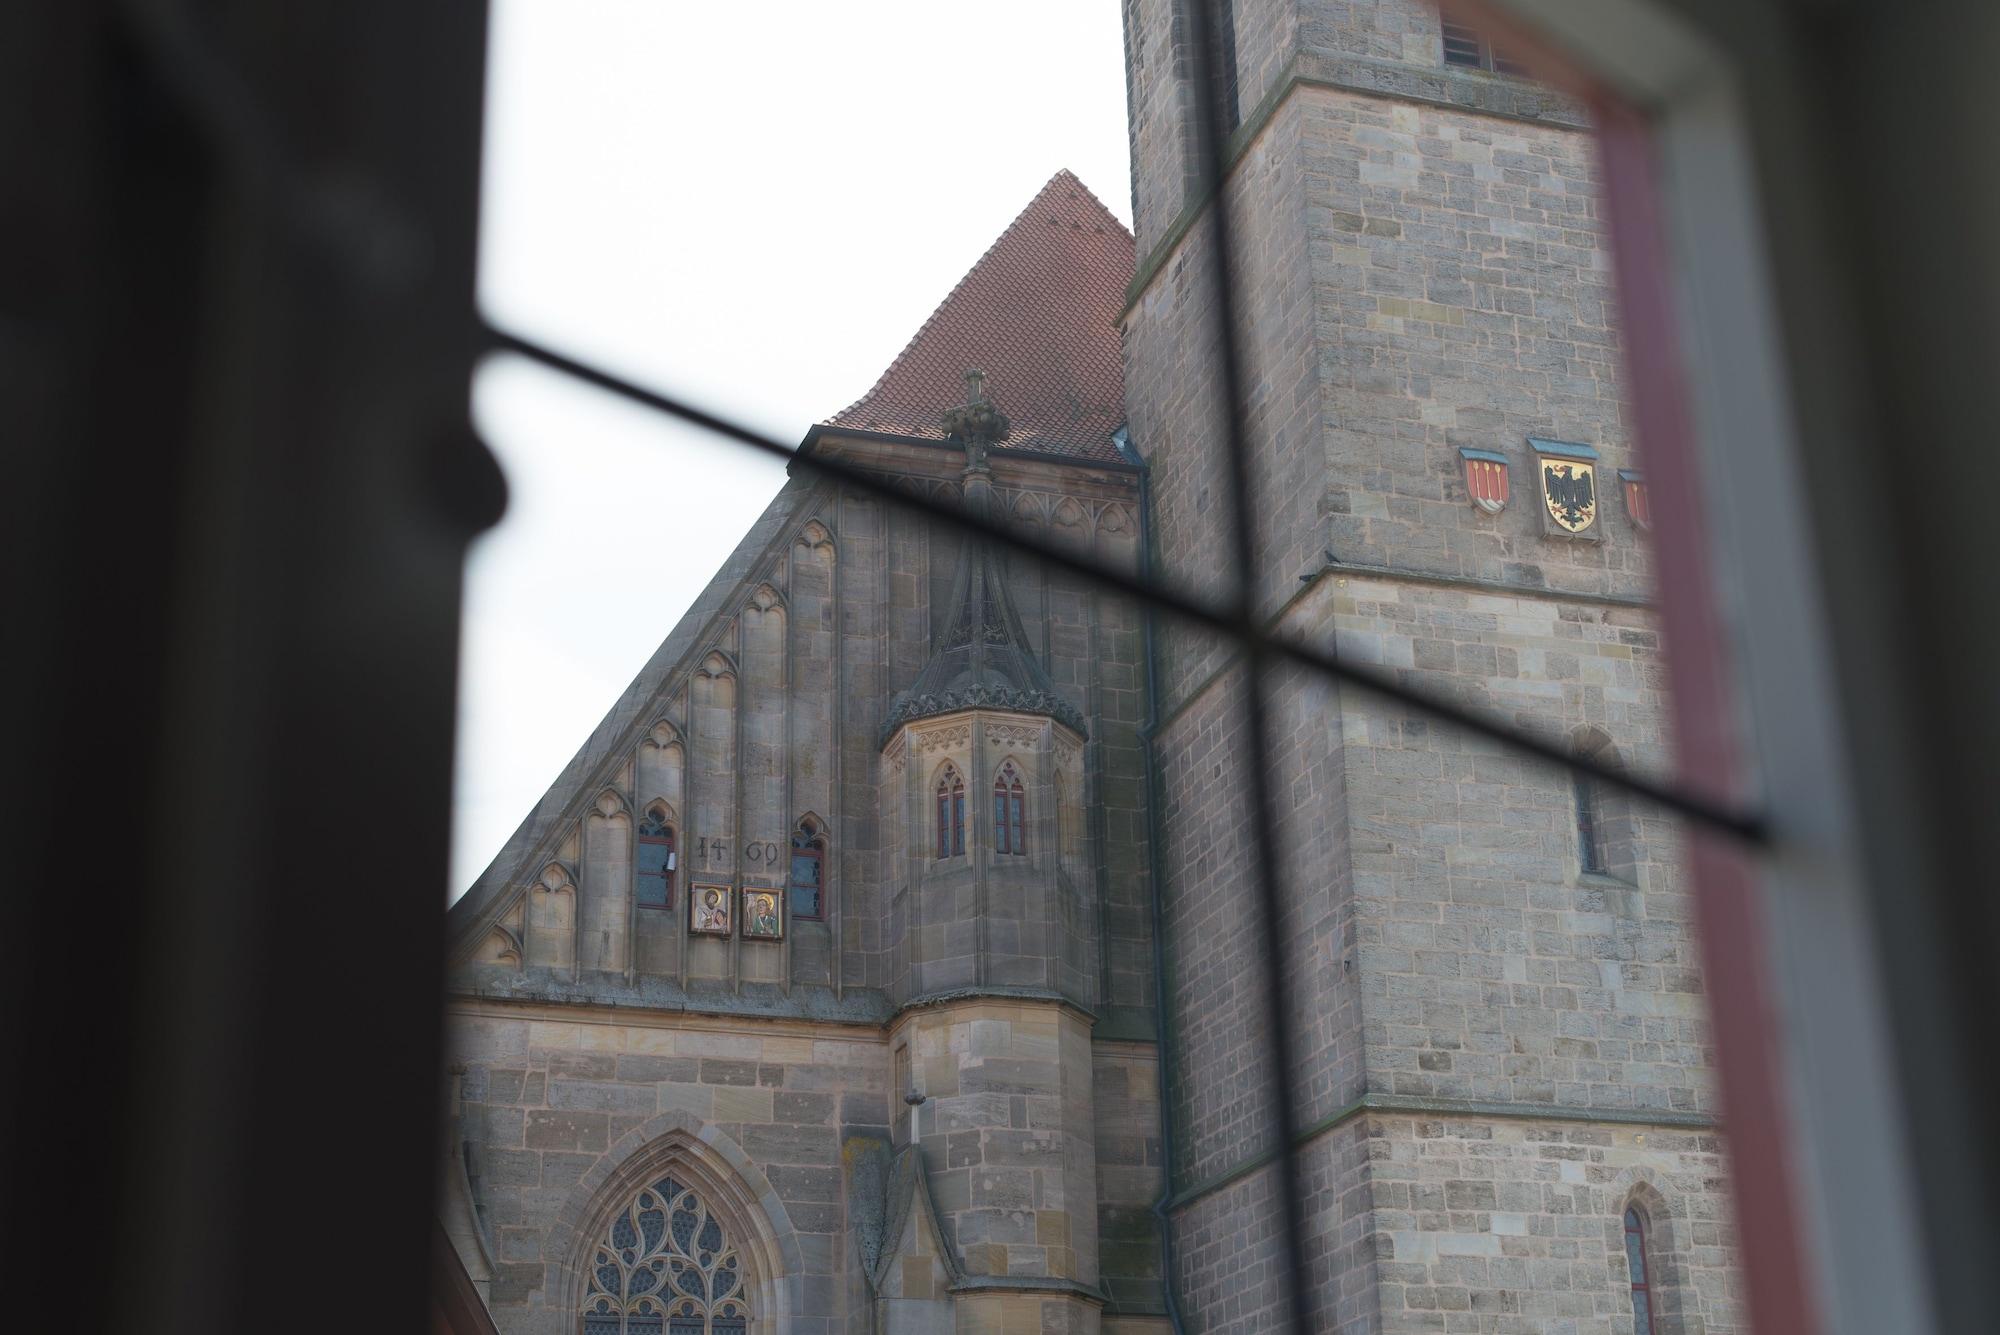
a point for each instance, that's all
(715, 852)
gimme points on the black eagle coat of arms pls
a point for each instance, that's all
(1571, 492)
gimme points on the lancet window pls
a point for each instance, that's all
(655, 862)
(1009, 810)
(1635, 1262)
(950, 813)
(808, 879)
(666, 1267)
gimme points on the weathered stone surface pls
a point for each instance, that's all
(1421, 267)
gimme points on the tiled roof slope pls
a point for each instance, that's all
(1038, 315)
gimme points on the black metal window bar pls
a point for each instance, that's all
(1235, 619)
(253, 143)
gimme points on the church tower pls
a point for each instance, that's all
(1507, 1102)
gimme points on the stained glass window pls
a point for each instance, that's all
(656, 862)
(666, 1267)
(1009, 811)
(1635, 1262)
(950, 814)
(808, 870)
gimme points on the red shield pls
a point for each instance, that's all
(1486, 479)
(1638, 504)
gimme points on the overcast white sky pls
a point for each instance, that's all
(754, 206)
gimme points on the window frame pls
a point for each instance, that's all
(1010, 812)
(669, 837)
(1640, 1283)
(815, 847)
(663, 1306)
(949, 795)
(1225, 71)
(1590, 857)
(1484, 56)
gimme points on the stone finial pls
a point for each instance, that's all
(975, 424)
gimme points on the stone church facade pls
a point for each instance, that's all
(819, 993)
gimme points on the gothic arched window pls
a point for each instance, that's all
(808, 879)
(1635, 1262)
(665, 1268)
(1009, 829)
(655, 861)
(950, 813)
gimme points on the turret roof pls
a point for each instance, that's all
(983, 660)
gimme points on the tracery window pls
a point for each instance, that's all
(1009, 830)
(808, 870)
(666, 1268)
(1635, 1261)
(950, 813)
(655, 862)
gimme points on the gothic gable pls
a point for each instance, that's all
(711, 702)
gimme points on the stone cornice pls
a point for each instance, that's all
(655, 997)
(1445, 86)
(1470, 583)
(1392, 575)
(1419, 1105)
(912, 708)
(954, 995)
(1049, 1284)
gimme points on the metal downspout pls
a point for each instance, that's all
(1155, 861)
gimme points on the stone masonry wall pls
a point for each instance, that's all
(549, 1105)
(1492, 966)
(1516, 1227)
(1009, 1134)
(1496, 1049)
(1463, 297)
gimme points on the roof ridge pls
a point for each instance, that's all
(910, 344)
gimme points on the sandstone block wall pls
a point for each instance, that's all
(1010, 1130)
(1421, 267)
(1516, 1226)
(553, 1107)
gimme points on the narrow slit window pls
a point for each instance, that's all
(656, 862)
(1589, 839)
(1223, 79)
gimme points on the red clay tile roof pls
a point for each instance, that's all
(1038, 315)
